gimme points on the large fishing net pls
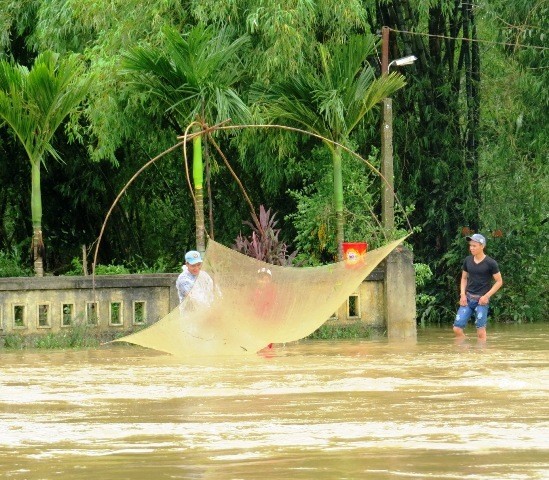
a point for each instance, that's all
(251, 304)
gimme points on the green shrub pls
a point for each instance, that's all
(111, 270)
(10, 264)
(79, 335)
(76, 268)
(314, 218)
(426, 304)
(343, 331)
(160, 265)
(13, 341)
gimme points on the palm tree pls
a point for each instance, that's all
(331, 102)
(34, 103)
(192, 78)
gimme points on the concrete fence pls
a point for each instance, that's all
(34, 305)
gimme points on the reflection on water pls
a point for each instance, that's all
(310, 410)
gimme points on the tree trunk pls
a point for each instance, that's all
(36, 211)
(198, 179)
(338, 200)
(209, 187)
(475, 106)
(472, 78)
(38, 252)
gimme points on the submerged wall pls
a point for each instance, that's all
(124, 302)
(114, 302)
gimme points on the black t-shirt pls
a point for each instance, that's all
(479, 279)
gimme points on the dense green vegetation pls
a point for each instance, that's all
(77, 336)
(81, 336)
(335, 331)
(470, 142)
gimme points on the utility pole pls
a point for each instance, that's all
(399, 317)
(387, 171)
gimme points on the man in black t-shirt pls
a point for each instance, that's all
(480, 279)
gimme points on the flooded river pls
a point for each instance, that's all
(310, 410)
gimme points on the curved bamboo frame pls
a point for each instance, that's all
(207, 130)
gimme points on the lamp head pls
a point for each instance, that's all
(404, 61)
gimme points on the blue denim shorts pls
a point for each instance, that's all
(464, 313)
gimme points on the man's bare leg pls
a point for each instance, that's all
(460, 334)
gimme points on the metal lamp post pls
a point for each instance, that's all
(387, 198)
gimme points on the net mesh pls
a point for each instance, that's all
(253, 304)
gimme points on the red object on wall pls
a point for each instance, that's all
(353, 252)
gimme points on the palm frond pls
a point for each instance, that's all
(373, 92)
(191, 74)
(35, 102)
(333, 100)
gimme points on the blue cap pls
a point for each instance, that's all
(477, 237)
(193, 257)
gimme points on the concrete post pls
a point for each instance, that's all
(400, 295)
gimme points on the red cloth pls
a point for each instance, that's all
(264, 300)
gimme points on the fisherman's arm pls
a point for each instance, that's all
(462, 289)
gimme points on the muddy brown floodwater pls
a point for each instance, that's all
(310, 410)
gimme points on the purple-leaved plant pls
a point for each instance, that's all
(264, 244)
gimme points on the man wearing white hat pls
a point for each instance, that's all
(476, 287)
(194, 282)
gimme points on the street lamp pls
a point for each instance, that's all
(387, 196)
(399, 62)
